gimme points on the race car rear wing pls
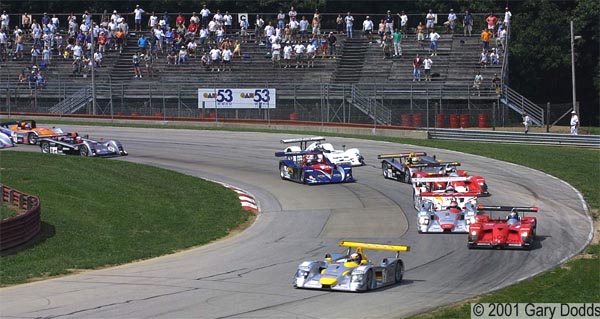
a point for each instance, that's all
(361, 246)
(508, 208)
(438, 164)
(400, 155)
(441, 179)
(284, 154)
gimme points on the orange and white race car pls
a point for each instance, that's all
(27, 131)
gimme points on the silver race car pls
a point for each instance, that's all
(454, 218)
(351, 271)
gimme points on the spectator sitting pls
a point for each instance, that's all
(191, 47)
(205, 61)
(182, 56)
(494, 58)
(22, 77)
(484, 59)
(40, 82)
(172, 56)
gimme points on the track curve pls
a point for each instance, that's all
(250, 275)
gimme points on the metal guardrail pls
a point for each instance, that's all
(19, 229)
(591, 141)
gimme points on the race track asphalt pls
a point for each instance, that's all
(250, 275)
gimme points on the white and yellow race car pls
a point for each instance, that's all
(352, 271)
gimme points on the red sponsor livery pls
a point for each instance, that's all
(513, 231)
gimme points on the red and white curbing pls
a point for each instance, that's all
(248, 202)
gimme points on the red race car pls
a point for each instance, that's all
(513, 231)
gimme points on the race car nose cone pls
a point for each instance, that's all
(447, 226)
(328, 281)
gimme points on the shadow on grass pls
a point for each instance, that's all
(46, 231)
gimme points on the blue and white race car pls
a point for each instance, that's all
(312, 144)
(312, 168)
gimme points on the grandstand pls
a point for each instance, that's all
(357, 86)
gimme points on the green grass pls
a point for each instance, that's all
(7, 211)
(98, 212)
(577, 281)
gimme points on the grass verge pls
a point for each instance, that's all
(97, 212)
(7, 211)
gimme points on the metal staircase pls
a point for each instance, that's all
(73, 103)
(371, 106)
(520, 104)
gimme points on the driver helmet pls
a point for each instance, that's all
(355, 257)
(414, 159)
(74, 134)
(454, 208)
(27, 126)
(78, 139)
(450, 188)
(513, 215)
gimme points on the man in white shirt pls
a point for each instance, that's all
(434, 37)
(299, 48)
(574, 122)
(287, 55)
(403, 23)
(311, 51)
(430, 20)
(275, 54)
(4, 21)
(138, 12)
(507, 17)
(215, 56)
(427, 67)
(451, 21)
(152, 21)
(368, 28)
(227, 59)
(292, 14)
(204, 13)
(526, 122)
(349, 23)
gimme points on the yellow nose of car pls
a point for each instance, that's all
(328, 281)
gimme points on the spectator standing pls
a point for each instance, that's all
(55, 21)
(332, 42)
(339, 24)
(485, 38)
(142, 44)
(389, 22)
(483, 59)
(349, 23)
(403, 23)
(427, 66)
(19, 46)
(153, 21)
(244, 28)
(287, 55)
(574, 122)
(477, 83)
(417, 63)
(281, 19)
(420, 34)
(451, 21)
(368, 28)
(299, 49)
(292, 14)
(258, 29)
(311, 52)
(149, 62)
(205, 14)
(434, 37)
(381, 31)
(316, 23)
(496, 84)
(4, 21)
(387, 45)
(26, 22)
(492, 21)
(135, 59)
(397, 43)
(276, 54)
(227, 22)
(430, 18)
(526, 122)
(138, 13)
(468, 23)
(507, 18)
(46, 55)
(215, 57)
(180, 20)
(237, 49)
(303, 29)
(227, 55)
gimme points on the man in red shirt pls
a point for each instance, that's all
(417, 63)
(492, 21)
(180, 20)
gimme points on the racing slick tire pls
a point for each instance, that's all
(407, 178)
(32, 138)
(282, 171)
(302, 177)
(83, 151)
(398, 272)
(45, 146)
(385, 171)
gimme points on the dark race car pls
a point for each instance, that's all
(512, 231)
(312, 168)
(73, 144)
